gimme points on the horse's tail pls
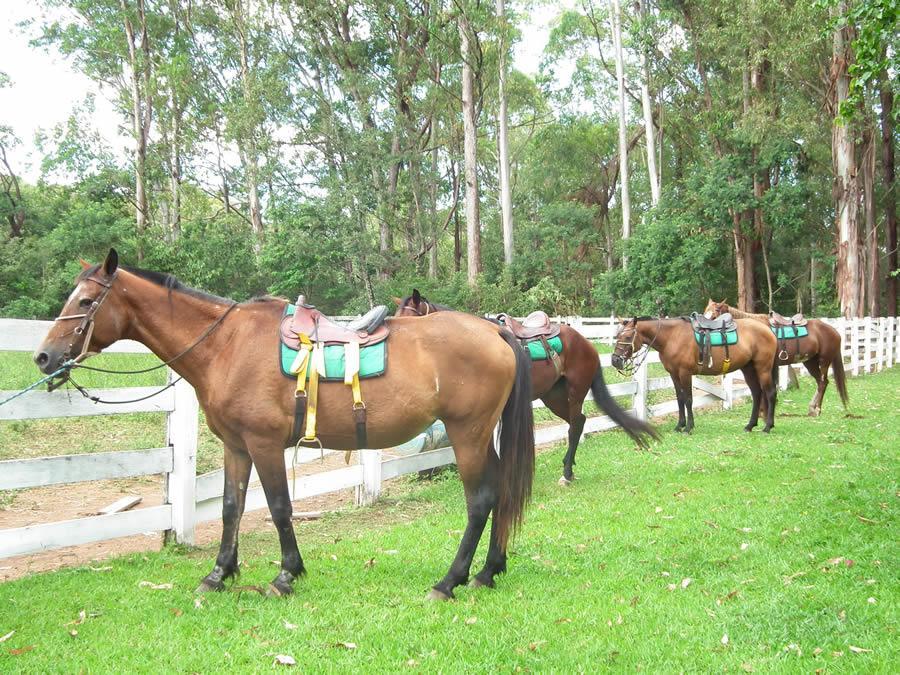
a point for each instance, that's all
(637, 429)
(840, 379)
(516, 448)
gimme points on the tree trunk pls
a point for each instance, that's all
(647, 107)
(744, 263)
(435, 233)
(846, 185)
(249, 150)
(16, 215)
(872, 273)
(813, 291)
(503, 141)
(141, 112)
(615, 19)
(890, 197)
(473, 227)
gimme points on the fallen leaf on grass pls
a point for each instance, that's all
(671, 587)
(747, 667)
(686, 582)
(562, 620)
(868, 521)
(198, 603)
(21, 650)
(871, 601)
(534, 645)
(745, 546)
(73, 633)
(471, 620)
(284, 660)
(412, 663)
(175, 611)
(345, 645)
(7, 636)
(369, 563)
(155, 587)
(106, 568)
(817, 651)
(82, 615)
(289, 625)
(859, 650)
(391, 551)
(724, 640)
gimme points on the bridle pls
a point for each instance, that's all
(416, 311)
(86, 327)
(629, 365)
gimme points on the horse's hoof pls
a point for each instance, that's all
(814, 412)
(767, 429)
(678, 430)
(435, 594)
(748, 428)
(207, 586)
(477, 582)
(565, 482)
(281, 585)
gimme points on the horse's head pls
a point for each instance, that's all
(414, 305)
(628, 343)
(715, 309)
(93, 317)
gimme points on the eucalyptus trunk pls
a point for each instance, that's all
(470, 130)
(647, 107)
(503, 142)
(615, 19)
(890, 196)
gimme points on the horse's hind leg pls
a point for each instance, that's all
(679, 397)
(769, 391)
(237, 473)
(687, 398)
(269, 462)
(561, 401)
(820, 375)
(752, 380)
(479, 473)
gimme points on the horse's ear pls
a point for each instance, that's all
(416, 296)
(84, 263)
(397, 301)
(111, 264)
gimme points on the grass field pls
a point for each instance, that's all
(722, 550)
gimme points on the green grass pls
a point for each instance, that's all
(784, 538)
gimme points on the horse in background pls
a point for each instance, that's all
(679, 353)
(817, 351)
(562, 385)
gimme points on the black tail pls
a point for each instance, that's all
(516, 448)
(637, 429)
(840, 379)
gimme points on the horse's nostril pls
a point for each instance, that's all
(42, 359)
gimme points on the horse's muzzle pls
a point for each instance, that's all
(617, 362)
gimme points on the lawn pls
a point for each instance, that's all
(722, 550)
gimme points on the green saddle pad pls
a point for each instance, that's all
(537, 351)
(716, 338)
(788, 332)
(372, 360)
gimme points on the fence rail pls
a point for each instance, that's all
(868, 345)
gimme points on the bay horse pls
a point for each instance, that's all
(228, 351)
(817, 351)
(679, 352)
(562, 390)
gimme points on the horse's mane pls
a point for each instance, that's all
(172, 283)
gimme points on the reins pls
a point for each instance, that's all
(630, 364)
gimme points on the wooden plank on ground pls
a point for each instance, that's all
(35, 405)
(123, 504)
(25, 473)
(48, 536)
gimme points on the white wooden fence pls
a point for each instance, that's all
(869, 345)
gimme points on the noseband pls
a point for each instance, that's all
(86, 327)
(629, 365)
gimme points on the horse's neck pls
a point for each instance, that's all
(739, 314)
(169, 322)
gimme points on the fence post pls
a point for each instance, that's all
(888, 341)
(867, 345)
(639, 400)
(728, 391)
(783, 377)
(368, 492)
(854, 346)
(182, 428)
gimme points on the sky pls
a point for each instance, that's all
(45, 87)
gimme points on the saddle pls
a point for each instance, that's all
(535, 325)
(775, 319)
(724, 322)
(369, 329)
(704, 329)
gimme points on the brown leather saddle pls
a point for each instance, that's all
(535, 325)
(775, 319)
(369, 329)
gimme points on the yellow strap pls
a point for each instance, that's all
(318, 366)
(725, 365)
(300, 366)
(357, 393)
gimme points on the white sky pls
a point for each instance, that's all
(45, 87)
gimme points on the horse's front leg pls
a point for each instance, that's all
(679, 397)
(687, 396)
(237, 474)
(269, 460)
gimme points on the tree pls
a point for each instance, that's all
(616, 22)
(503, 142)
(468, 40)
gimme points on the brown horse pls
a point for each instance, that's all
(679, 353)
(817, 351)
(228, 352)
(563, 388)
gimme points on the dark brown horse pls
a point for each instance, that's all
(563, 388)
(816, 351)
(228, 352)
(679, 353)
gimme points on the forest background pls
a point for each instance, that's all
(666, 151)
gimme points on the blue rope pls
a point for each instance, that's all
(63, 368)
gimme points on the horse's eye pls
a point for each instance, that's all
(86, 302)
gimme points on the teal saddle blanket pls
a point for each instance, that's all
(372, 360)
(716, 340)
(788, 332)
(537, 351)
